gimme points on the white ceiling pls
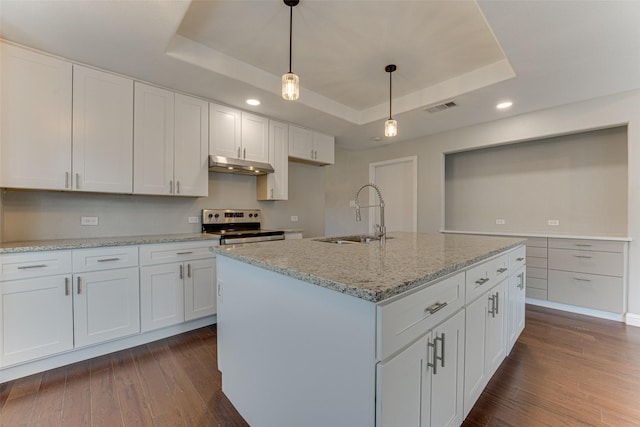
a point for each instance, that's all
(536, 53)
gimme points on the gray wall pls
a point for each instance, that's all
(579, 180)
(32, 215)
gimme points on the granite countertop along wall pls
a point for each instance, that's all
(372, 271)
(99, 242)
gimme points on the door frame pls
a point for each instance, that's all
(413, 160)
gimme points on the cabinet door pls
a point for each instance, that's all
(161, 296)
(300, 143)
(324, 146)
(106, 305)
(36, 317)
(275, 186)
(496, 321)
(516, 296)
(191, 154)
(200, 288)
(403, 385)
(102, 131)
(447, 381)
(35, 127)
(225, 131)
(475, 376)
(255, 138)
(153, 140)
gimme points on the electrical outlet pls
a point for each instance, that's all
(553, 222)
(294, 218)
(193, 220)
(89, 220)
(500, 221)
(352, 203)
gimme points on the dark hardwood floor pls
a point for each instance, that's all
(565, 370)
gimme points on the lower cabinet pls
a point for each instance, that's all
(37, 318)
(484, 341)
(516, 296)
(173, 292)
(422, 386)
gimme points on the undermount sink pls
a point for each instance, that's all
(346, 240)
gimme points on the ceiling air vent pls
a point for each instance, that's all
(441, 107)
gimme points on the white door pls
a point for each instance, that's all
(495, 328)
(475, 375)
(153, 140)
(105, 305)
(191, 146)
(200, 289)
(225, 131)
(102, 131)
(161, 296)
(398, 183)
(300, 143)
(255, 138)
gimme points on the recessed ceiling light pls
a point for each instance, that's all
(253, 102)
(504, 105)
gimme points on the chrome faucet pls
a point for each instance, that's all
(380, 229)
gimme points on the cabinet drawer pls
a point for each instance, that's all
(536, 252)
(501, 268)
(536, 262)
(540, 273)
(174, 252)
(534, 282)
(104, 258)
(536, 293)
(587, 245)
(484, 276)
(517, 258)
(537, 242)
(608, 263)
(586, 290)
(34, 264)
(403, 320)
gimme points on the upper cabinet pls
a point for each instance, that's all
(36, 120)
(102, 131)
(237, 134)
(275, 186)
(311, 147)
(170, 143)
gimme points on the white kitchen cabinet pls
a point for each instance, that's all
(102, 131)
(177, 283)
(37, 318)
(170, 143)
(516, 307)
(36, 120)
(237, 134)
(275, 186)
(105, 305)
(311, 147)
(484, 342)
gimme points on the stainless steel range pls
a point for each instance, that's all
(237, 226)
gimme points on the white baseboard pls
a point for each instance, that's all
(618, 317)
(633, 319)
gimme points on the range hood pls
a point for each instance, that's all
(238, 166)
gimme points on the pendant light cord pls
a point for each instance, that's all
(290, 35)
(390, 95)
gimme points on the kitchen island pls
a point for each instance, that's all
(316, 333)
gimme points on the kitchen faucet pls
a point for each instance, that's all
(381, 229)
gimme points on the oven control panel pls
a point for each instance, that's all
(228, 216)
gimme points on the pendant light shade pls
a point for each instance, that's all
(390, 126)
(290, 81)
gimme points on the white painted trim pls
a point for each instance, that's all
(578, 310)
(77, 355)
(372, 179)
(632, 319)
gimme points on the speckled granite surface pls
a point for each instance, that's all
(53, 245)
(372, 272)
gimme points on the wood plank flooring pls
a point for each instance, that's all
(565, 370)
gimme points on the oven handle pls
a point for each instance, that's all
(241, 240)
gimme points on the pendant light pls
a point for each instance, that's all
(390, 126)
(290, 81)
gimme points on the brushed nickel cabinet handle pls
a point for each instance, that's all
(184, 253)
(108, 259)
(583, 256)
(177, 187)
(492, 311)
(482, 281)
(77, 181)
(583, 245)
(79, 287)
(189, 271)
(66, 179)
(581, 280)
(497, 302)
(67, 286)
(435, 307)
(441, 357)
(170, 186)
(433, 364)
(244, 153)
(26, 267)
(501, 270)
(181, 271)
(239, 152)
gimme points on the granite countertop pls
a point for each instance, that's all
(372, 271)
(98, 242)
